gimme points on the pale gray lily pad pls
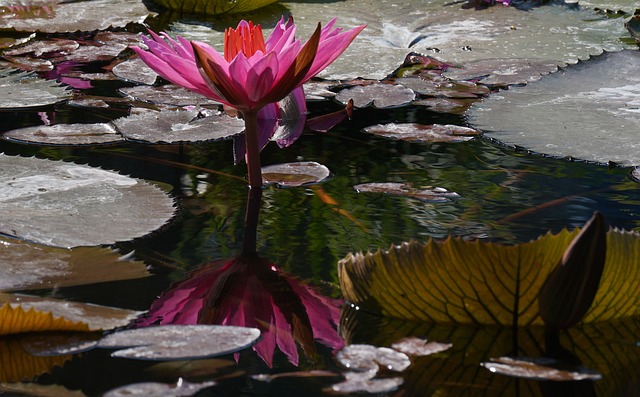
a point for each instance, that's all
(414, 132)
(66, 134)
(295, 174)
(378, 95)
(153, 389)
(25, 266)
(541, 368)
(414, 346)
(95, 316)
(35, 389)
(614, 5)
(61, 16)
(428, 194)
(135, 70)
(47, 344)
(179, 342)
(438, 86)
(68, 205)
(502, 72)
(366, 358)
(550, 33)
(372, 386)
(169, 94)
(27, 90)
(171, 126)
(446, 105)
(589, 111)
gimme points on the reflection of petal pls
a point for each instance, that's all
(251, 292)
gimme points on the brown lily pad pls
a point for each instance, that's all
(295, 174)
(378, 95)
(430, 194)
(413, 132)
(503, 72)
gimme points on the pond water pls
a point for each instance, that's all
(506, 195)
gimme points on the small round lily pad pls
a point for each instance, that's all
(295, 174)
(414, 132)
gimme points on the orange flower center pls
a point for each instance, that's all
(246, 39)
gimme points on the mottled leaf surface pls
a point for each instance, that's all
(66, 205)
(414, 132)
(66, 134)
(27, 90)
(295, 174)
(61, 16)
(589, 111)
(378, 95)
(179, 342)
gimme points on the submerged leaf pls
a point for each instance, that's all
(180, 342)
(64, 204)
(482, 283)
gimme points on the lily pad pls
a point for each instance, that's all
(368, 358)
(589, 111)
(180, 342)
(502, 72)
(27, 90)
(378, 95)
(295, 174)
(16, 320)
(173, 126)
(434, 195)
(61, 16)
(95, 317)
(136, 71)
(67, 205)
(182, 388)
(66, 134)
(539, 368)
(413, 132)
(414, 346)
(25, 265)
(169, 94)
(49, 344)
(372, 386)
(214, 7)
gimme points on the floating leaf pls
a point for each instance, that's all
(295, 174)
(413, 132)
(182, 388)
(214, 7)
(66, 134)
(590, 111)
(172, 126)
(503, 72)
(27, 90)
(413, 346)
(180, 342)
(16, 320)
(378, 95)
(367, 358)
(61, 16)
(372, 386)
(25, 265)
(431, 194)
(474, 282)
(169, 94)
(538, 368)
(136, 71)
(65, 205)
(95, 317)
(35, 389)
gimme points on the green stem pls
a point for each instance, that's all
(253, 150)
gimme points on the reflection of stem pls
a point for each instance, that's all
(252, 147)
(251, 222)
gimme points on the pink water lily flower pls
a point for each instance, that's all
(251, 73)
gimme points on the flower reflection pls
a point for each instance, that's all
(250, 291)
